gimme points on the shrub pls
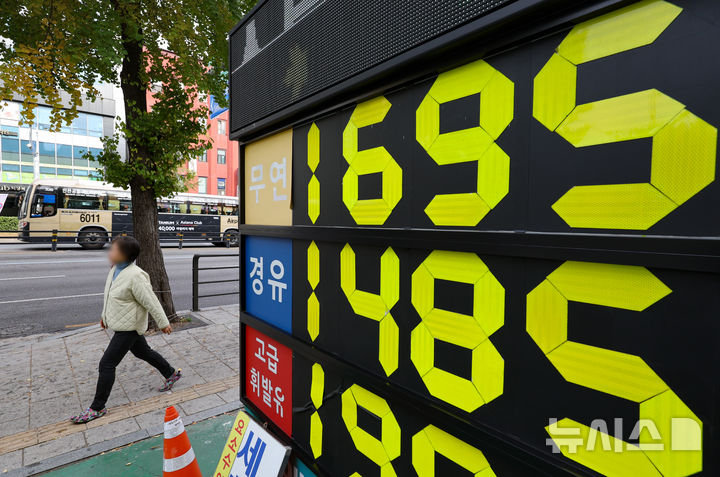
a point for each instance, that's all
(8, 224)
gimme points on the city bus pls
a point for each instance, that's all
(91, 213)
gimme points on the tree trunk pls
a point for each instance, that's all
(145, 226)
(144, 202)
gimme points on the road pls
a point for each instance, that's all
(43, 291)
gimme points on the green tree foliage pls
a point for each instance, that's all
(178, 49)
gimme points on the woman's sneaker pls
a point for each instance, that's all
(170, 382)
(88, 415)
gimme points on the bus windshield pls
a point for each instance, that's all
(22, 203)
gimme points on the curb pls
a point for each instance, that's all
(96, 449)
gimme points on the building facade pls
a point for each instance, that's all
(216, 171)
(59, 154)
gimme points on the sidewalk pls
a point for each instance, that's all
(45, 380)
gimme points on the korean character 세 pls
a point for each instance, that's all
(256, 175)
(255, 381)
(267, 390)
(277, 270)
(278, 172)
(252, 456)
(257, 272)
(272, 358)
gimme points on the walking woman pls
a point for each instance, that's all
(129, 298)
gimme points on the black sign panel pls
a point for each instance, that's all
(508, 267)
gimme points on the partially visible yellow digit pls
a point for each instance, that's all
(376, 307)
(313, 305)
(313, 152)
(317, 390)
(369, 161)
(471, 332)
(382, 451)
(471, 144)
(683, 145)
(431, 440)
(618, 374)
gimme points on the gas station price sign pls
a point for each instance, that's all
(508, 267)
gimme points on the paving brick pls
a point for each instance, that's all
(53, 448)
(111, 430)
(10, 461)
(202, 404)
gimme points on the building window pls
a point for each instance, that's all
(221, 186)
(79, 124)
(222, 127)
(42, 114)
(64, 155)
(10, 149)
(202, 185)
(78, 156)
(221, 156)
(203, 156)
(95, 125)
(47, 153)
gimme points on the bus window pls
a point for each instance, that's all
(83, 199)
(44, 204)
(119, 201)
(179, 207)
(164, 207)
(197, 208)
(213, 209)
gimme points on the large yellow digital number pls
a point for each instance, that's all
(683, 145)
(471, 144)
(369, 161)
(317, 391)
(313, 305)
(432, 440)
(382, 451)
(618, 374)
(376, 307)
(313, 152)
(471, 332)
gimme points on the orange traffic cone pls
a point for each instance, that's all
(178, 456)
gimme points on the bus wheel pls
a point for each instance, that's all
(229, 236)
(92, 238)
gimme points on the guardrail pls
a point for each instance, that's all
(81, 237)
(196, 273)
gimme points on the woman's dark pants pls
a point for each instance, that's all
(120, 344)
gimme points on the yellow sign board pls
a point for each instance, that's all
(268, 180)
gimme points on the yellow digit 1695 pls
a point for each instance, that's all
(471, 144)
(369, 161)
(675, 449)
(683, 145)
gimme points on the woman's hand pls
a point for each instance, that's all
(167, 330)
(102, 324)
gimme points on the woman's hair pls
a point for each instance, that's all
(129, 247)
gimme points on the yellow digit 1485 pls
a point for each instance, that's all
(471, 144)
(376, 307)
(471, 332)
(683, 145)
(675, 449)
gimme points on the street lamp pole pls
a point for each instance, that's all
(36, 150)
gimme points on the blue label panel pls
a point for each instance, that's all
(268, 280)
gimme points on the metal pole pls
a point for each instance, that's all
(195, 298)
(54, 240)
(180, 242)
